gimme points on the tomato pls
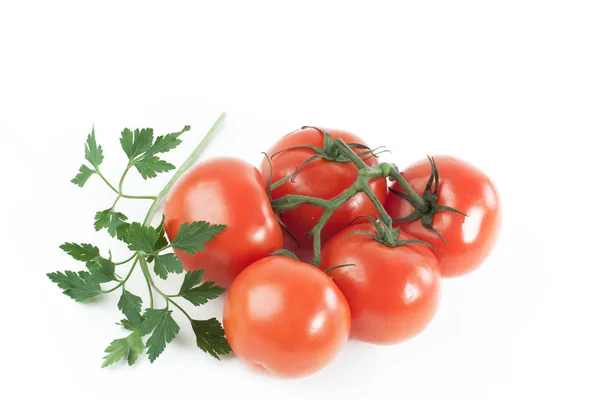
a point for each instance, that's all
(320, 178)
(224, 191)
(284, 317)
(393, 292)
(462, 187)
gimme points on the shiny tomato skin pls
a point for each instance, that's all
(224, 191)
(465, 188)
(285, 318)
(393, 293)
(320, 178)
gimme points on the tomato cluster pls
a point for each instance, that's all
(384, 251)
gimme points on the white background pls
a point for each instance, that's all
(512, 86)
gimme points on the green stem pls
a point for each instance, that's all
(114, 189)
(184, 167)
(123, 177)
(126, 261)
(121, 283)
(332, 205)
(352, 156)
(179, 307)
(126, 196)
(414, 198)
(148, 277)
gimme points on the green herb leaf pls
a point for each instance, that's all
(141, 237)
(162, 240)
(149, 166)
(210, 337)
(192, 237)
(109, 219)
(102, 269)
(93, 152)
(198, 295)
(136, 143)
(79, 286)
(165, 263)
(122, 230)
(131, 306)
(81, 252)
(166, 143)
(163, 327)
(125, 323)
(191, 279)
(82, 177)
(129, 348)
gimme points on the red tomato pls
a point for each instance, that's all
(320, 178)
(224, 191)
(285, 317)
(464, 188)
(393, 292)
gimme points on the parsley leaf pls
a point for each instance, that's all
(210, 337)
(109, 219)
(81, 252)
(192, 237)
(163, 327)
(79, 286)
(129, 347)
(136, 143)
(122, 230)
(131, 306)
(141, 237)
(165, 263)
(82, 177)
(162, 240)
(149, 166)
(93, 151)
(167, 142)
(125, 323)
(198, 295)
(191, 279)
(102, 269)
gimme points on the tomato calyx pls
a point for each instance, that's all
(386, 235)
(426, 210)
(329, 152)
(285, 253)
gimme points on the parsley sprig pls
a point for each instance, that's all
(153, 328)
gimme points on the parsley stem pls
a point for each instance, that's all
(126, 261)
(121, 283)
(184, 167)
(179, 307)
(126, 196)
(114, 189)
(148, 277)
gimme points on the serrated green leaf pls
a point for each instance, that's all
(164, 144)
(191, 279)
(136, 143)
(163, 327)
(203, 293)
(109, 219)
(125, 323)
(210, 337)
(129, 348)
(82, 177)
(197, 294)
(93, 151)
(131, 306)
(141, 237)
(162, 240)
(193, 237)
(79, 286)
(165, 263)
(102, 269)
(150, 166)
(80, 252)
(122, 231)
